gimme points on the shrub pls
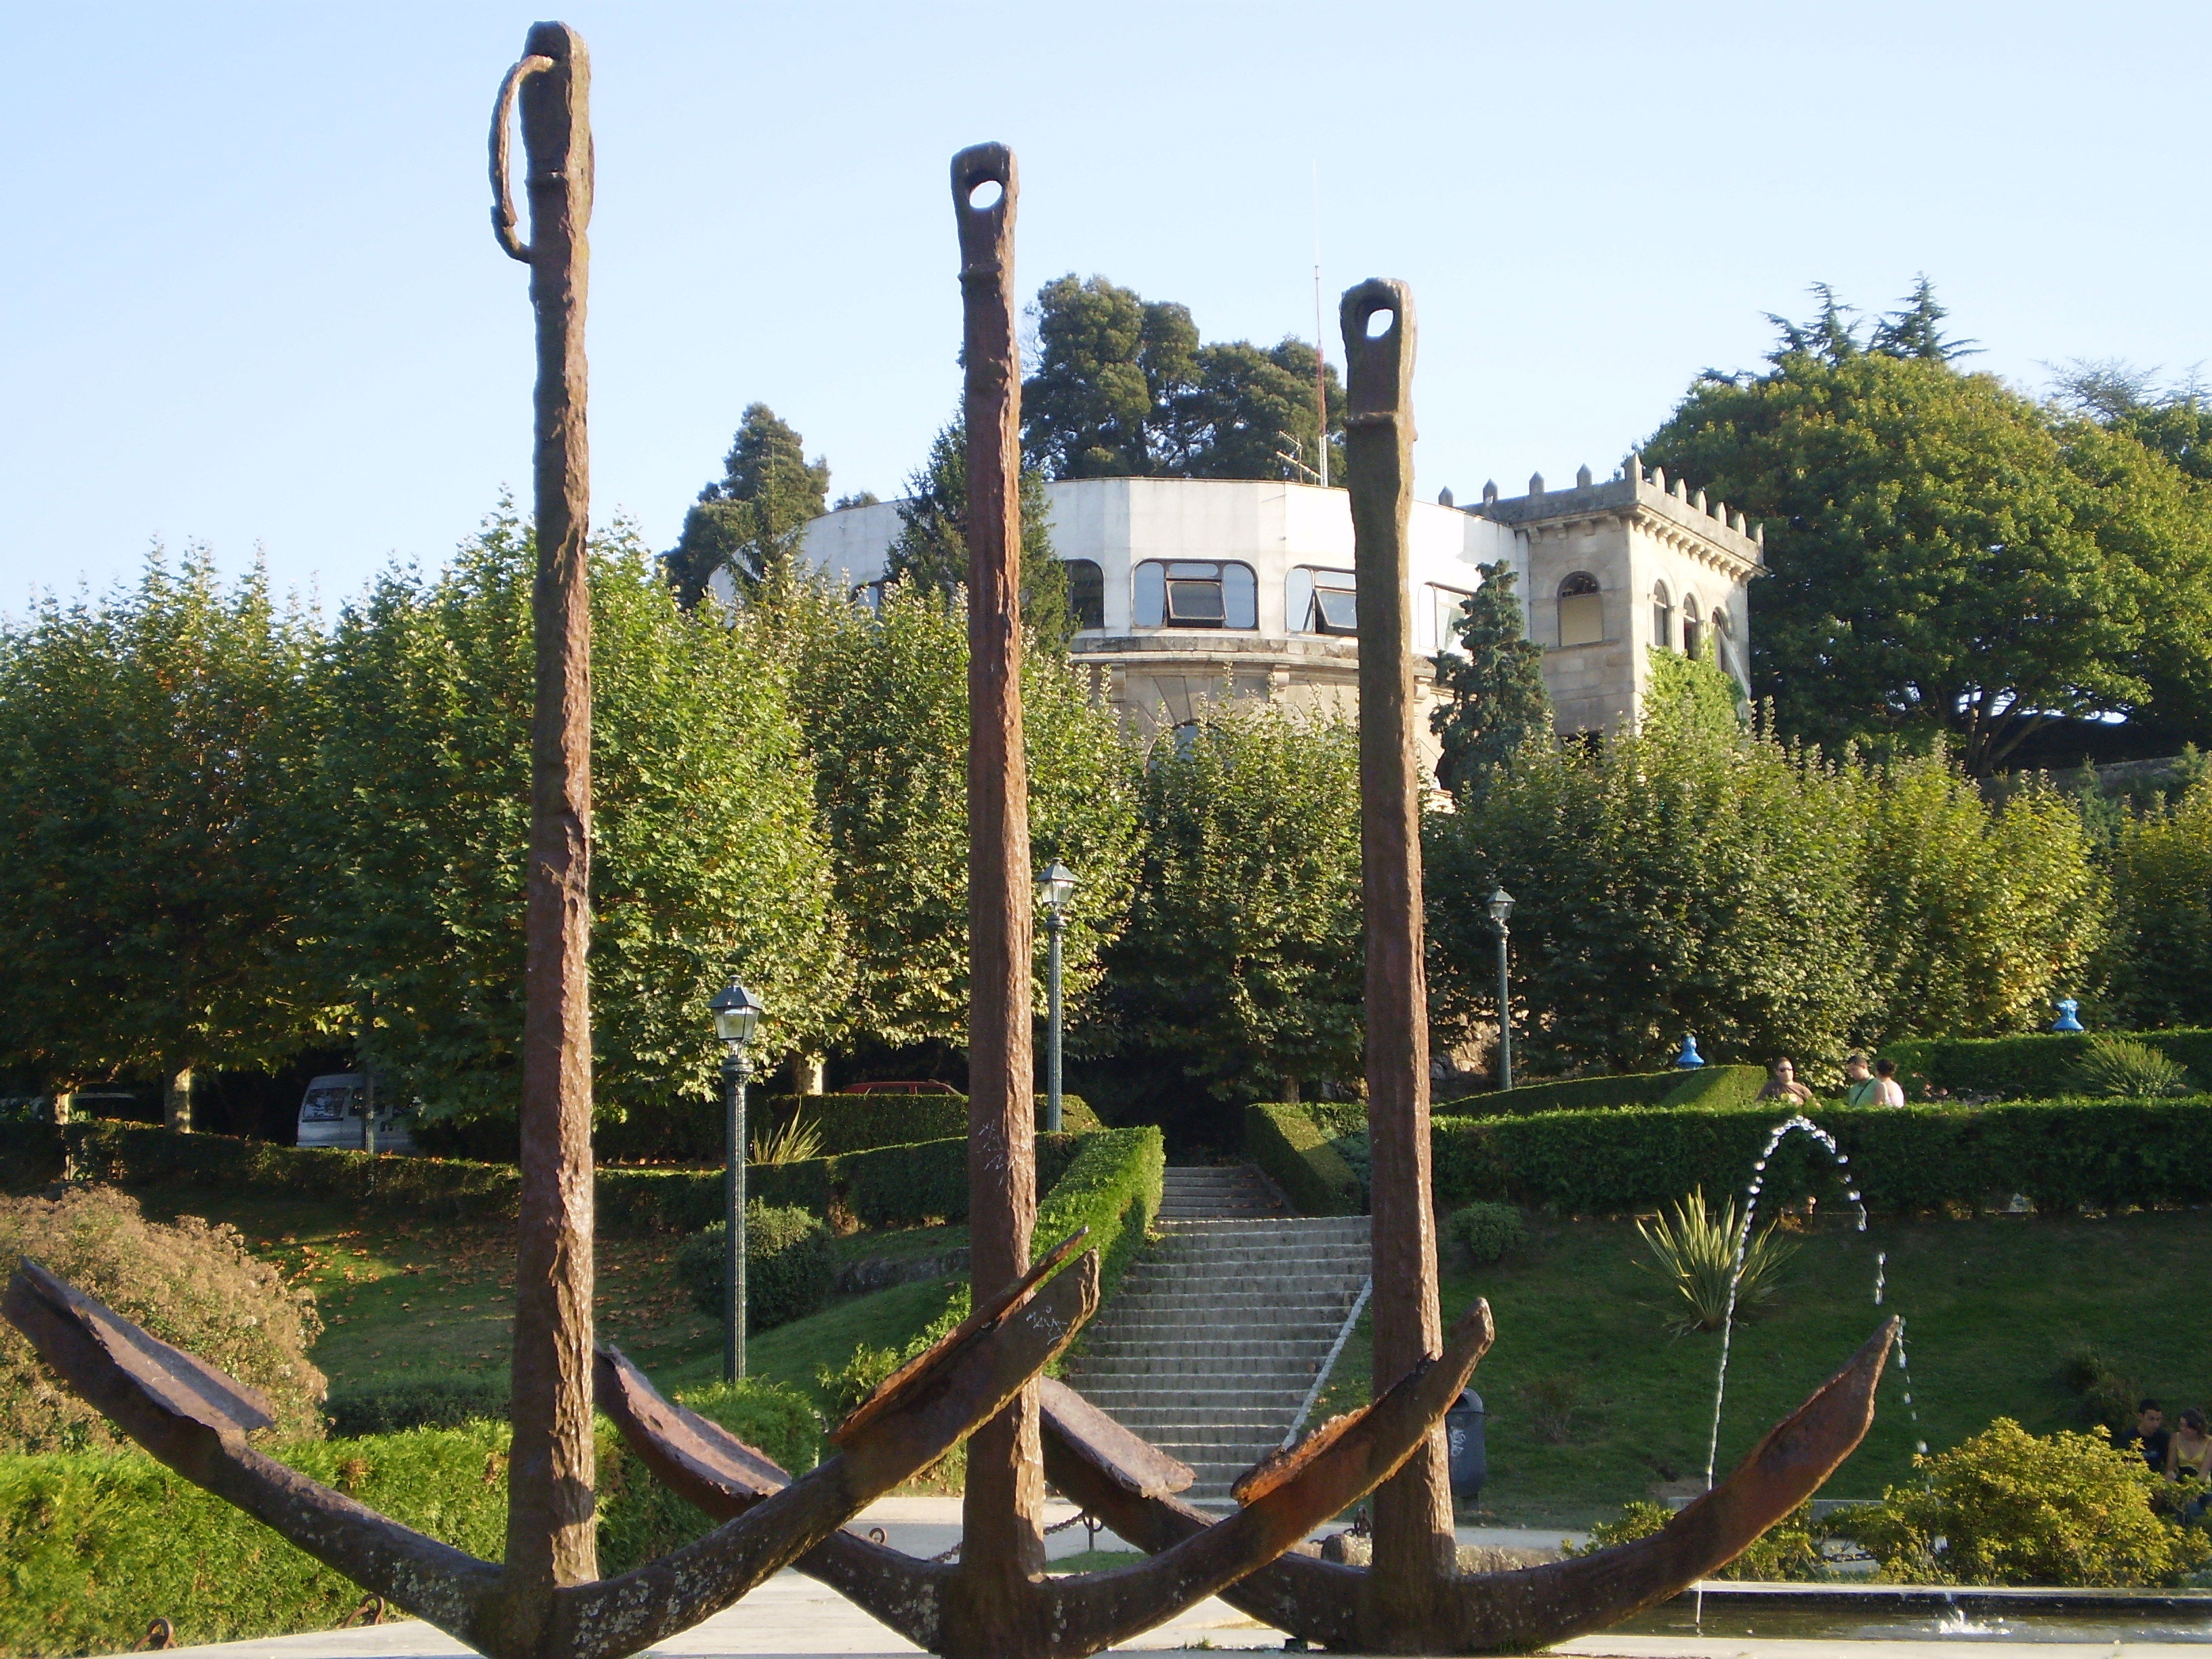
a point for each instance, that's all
(2007, 1507)
(1488, 1232)
(1285, 1142)
(2117, 1066)
(794, 1142)
(1113, 1187)
(2106, 1398)
(1574, 1093)
(856, 1123)
(1789, 1550)
(2160, 952)
(1717, 1088)
(902, 1186)
(2065, 1155)
(2034, 1067)
(1696, 1253)
(789, 1267)
(190, 1284)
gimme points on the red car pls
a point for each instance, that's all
(901, 1088)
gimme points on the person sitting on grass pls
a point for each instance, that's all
(2150, 1437)
(2189, 1452)
(1782, 1083)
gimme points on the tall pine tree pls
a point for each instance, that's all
(749, 519)
(1496, 690)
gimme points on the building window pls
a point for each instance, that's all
(1724, 644)
(1582, 611)
(1086, 592)
(1692, 633)
(1662, 617)
(1197, 593)
(1447, 609)
(1321, 601)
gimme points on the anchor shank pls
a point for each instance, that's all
(1413, 1523)
(1003, 1539)
(549, 1538)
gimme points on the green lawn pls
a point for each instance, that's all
(411, 1298)
(1990, 1307)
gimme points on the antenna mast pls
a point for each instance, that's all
(1321, 363)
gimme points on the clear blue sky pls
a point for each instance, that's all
(250, 296)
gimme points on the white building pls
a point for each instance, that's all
(1186, 588)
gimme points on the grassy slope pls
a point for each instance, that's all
(417, 1299)
(1990, 1306)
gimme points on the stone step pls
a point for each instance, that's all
(1225, 1416)
(1137, 1356)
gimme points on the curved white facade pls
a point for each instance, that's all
(1202, 587)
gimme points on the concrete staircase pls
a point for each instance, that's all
(1217, 1330)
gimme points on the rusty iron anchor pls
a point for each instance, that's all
(998, 1601)
(545, 1601)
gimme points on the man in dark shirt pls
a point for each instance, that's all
(2149, 1437)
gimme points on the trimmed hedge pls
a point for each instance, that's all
(2062, 1154)
(858, 1123)
(1717, 1088)
(1284, 1140)
(1112, 1186)
(93, 1545)
(2035, 1067)
(892, 1185)
(693, 1132)
(788, 1267)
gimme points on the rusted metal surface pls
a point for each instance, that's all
(1413, 1516)
(195, 1419)
(1328, 1605)
(551, 1533)
(986, 1313)
(1004, 1547)
(1068, 1617)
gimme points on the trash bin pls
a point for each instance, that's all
(1469, 1458)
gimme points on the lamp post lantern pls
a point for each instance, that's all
(1500, 906)
(737, 1017)
(1055, 885)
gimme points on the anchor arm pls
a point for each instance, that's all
(195, 1419)
(1531, 1607)
(1282, 1499)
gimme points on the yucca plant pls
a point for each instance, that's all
(1695, 1253)
(2121, 1066)
(795, 1142)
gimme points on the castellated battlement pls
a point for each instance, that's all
(1632, 489)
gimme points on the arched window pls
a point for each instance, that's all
(1086, 592)
(1447, 610)
(1197, 593)
(1320, 601)
(1662, 617)
(1692, 631)
(1582, 611)
(1724, 643)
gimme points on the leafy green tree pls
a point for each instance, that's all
(1493, 685)
(1123, 389)
(1939, 566)
(930, 553)
(1667, 882)
(2160, 955)
(749, 519)
(1978, 914)
(705, 852)
(1247, 408)
(1241, 968)
(1107, 360)
(157, 896)
(883, 696)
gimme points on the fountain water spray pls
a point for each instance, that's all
(1796, 1121)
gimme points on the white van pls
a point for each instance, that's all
(334, 1114)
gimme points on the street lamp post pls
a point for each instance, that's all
(737, 1015)
(1055, 886)
(1500, 906)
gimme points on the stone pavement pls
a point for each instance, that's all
(791, 1614)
